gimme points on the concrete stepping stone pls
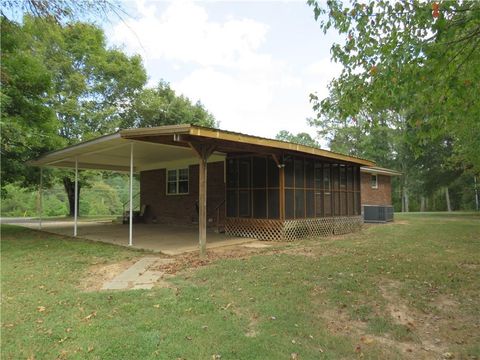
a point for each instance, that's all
(138, 276)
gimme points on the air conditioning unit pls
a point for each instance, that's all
(377, 213)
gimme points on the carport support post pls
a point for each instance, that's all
(130, 229)
(203, 152)
(40, 205)
(76, 199)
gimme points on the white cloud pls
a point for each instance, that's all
(225, 66)
(184, 33)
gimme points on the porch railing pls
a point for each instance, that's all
(124, 205)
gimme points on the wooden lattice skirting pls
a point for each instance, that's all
(289, 230)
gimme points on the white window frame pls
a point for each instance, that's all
(374, 186)
(177, 181)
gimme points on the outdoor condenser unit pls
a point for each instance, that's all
(377, 213)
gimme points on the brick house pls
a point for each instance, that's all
(256, 187)
(376, 185)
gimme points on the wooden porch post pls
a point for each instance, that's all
(203, 152)
(281, 185)
(281, 173)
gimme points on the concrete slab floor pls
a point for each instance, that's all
(166, 238)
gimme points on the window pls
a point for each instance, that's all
(177, 181)
(374, 181)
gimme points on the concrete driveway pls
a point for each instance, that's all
(166, 238)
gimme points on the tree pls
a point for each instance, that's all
(29, 126)
(61, 10)
(418, 60)
(87, 87)
(162, 106)
(300, 138)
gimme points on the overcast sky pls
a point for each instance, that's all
(252, 64)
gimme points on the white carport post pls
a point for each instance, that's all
(40, 205)
(130, 230)
(76, 199)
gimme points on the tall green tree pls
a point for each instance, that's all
(87, 91)
(162, 106)
(418, 60)
(28, 124)
(301, 138)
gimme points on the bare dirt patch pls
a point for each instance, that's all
(99, 274)
(431, 332)
(192, 260)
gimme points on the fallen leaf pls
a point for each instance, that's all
(156, 306)
(90, 349)
(366, 340)
(188, 337)
(294, 356)
(92, 315)
(41, 308)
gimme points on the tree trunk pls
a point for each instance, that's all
(69, 186)
(447, 197)
(405, 203)
(422, 203)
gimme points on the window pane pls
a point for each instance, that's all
(310, 203)
(260, 204)
(357, 204)
(259, 172)
(335, 177)
(183, 174)
(309, 173)
(343, 203)
(244, 203)
(319, 204)
(336, 203)
(232, 203)
(343, 177)
(299, 203)
(327, 204)
(299, 173)
(351, 205)
(244, 173)
(326, 177)
(172, 188)
(318, 175)
(374, 181)
(289, 204)
(350, 178)
(232, 173)
(273, 204)
(183, 187)
(272, 174)
(288, 172)
(172, 175)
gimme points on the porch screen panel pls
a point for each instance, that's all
(252, 187)
(260, 204)
(232, 203)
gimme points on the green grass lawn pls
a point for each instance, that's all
(403, 290)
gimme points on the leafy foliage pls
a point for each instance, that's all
(418, 60)
(28, 123)
(162, 106)
(300, 138)
(61, 10)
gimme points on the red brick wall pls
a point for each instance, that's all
(181, 208)
(380, 196)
